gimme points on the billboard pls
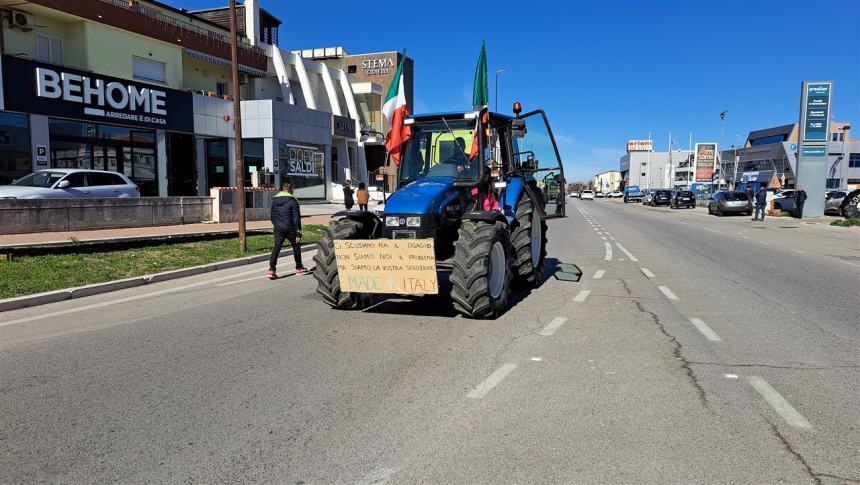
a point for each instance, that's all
(706, 158)
(816, 111)
(640, 146)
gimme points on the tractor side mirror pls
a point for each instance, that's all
(529, 163)
(518, 128)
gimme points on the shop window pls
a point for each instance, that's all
(49, 49)
(351, 69)
(147, 70)
(221, 89)
(854, 160)
(15, 159)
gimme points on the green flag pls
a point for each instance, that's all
(480, 91)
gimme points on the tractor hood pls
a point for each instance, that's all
(422, 197)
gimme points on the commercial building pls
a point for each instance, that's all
(647, 169)
(143, 88)
(607, 181)
(370, 76)
(769, 157)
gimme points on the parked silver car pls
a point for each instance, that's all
(833, 201)
(70, 183)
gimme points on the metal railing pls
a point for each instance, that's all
(155, 14)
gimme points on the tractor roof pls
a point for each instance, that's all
(456, 115)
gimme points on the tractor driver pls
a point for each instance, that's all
(461, 160)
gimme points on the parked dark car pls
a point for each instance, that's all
(660, 197)
(682, 198)
(730, 202)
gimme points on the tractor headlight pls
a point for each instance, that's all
(413, 221)
(392, 221)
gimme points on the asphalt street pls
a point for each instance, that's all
(692, 349)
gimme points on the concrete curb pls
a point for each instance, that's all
(109, 286)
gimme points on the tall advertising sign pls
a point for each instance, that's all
(706, 158)
(812, 149)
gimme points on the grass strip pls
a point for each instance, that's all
(846, 222)
(25, 275)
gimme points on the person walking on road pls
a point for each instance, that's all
(799, 200)
(362, 196)
(347, 196)
(287, 221)
(760, 201)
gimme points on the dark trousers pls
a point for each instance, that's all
(362, 207)
(799, 210)
(290, 236)
(759, 208)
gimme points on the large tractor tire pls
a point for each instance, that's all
(851, 205)
(482, 267)
(328, 284)
(529, 244)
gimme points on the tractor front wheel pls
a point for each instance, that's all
(328, 284)
(481, 272)
(529, 243)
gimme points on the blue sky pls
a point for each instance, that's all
(607, 71)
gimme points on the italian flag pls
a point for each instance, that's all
(396, 111)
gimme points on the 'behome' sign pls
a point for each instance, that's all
(37, 87)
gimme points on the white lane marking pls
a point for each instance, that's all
(582, 296)
(778, 403)
(245, 280)
(799, 251)
(712, 230)
(489, 383)
(599, 274)
(666, 291)
(852, 264)
(608, 255)
(731, 376)
(625, 251)
(127, 299)
(765, 243)
(603, 237)
(706, 330)
(380, 476)
(745, 237)
(553, 326)
(537, 359)
(647, 272)
(611, 238)
(679, 222)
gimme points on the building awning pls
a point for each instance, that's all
(223, 63)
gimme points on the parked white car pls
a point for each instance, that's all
(616, 194)
(70, 183)
(587, 195)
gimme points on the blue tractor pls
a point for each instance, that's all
(482, 186)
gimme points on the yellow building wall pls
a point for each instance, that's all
(72, 34)
(200, 75)
(110, 52)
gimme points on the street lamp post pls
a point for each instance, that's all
(845, 129)
(722, 141)
(498, 71)
(237, 126)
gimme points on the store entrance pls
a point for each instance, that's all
(181, 165)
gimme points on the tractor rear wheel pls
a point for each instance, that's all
(481, 272)
(328, 284)
(529, 243)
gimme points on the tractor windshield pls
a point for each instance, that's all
(440, 149)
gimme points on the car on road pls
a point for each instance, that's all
(682, 198)
(617, 194)
(632, 194)
(646, 198)
(70, 183)
(574, 194)
(659, 197)
(586, 195)
(730, 202)
(833, 201)
(599, 194)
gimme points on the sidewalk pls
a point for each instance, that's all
(312, 214)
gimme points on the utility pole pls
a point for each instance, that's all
(722, 140)
(237, 128)
(845, 129)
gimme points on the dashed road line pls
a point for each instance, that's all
(778, 403)
(706, 330)
(603, 237)
(380, 476)
(491, 382)
(666, 291)
(647, 272)
(611, 238)
(799, 251)
(625, 251)
(765, 243)
(581, 296)
(608, 255)
(552, 326)
(852, 264)
(599, 274)
(712, 230)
